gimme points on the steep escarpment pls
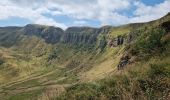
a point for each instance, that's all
(49, 33)
(81, 35)
(73, 35)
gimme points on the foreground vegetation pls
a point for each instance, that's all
(138, 83)
(146, 79)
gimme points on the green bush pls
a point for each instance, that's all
(54, 54)
(162, 70)
(150, 42)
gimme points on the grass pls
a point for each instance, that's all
(119, 31)
(73, 59)
(32, 95)
(145, 81)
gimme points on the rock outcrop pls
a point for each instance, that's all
(52, 34)
(123, 62)
(49, 33)
(72, 35)
(33, 29)
(80, 35)
(119, 40)
(126, 59)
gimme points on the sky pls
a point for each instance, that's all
(93, 13)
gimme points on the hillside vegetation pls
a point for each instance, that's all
(46, 63)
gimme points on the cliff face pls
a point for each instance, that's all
(79, 38)
(119, 40)
(80, 35)
(49, 33)
(73, 35)
(52, 34)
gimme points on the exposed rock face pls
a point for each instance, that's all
(79, 38)
(49, 33)
(52, 34)
(123, 62)
(78, 35)
(80, 30)
(126, 59)
(32, 29)
(119, 40)
(74, 35)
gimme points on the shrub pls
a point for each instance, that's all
(54, 54)
(159, 70)
(149, 42)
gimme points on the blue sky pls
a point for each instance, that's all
(152, 2)
(94, 13)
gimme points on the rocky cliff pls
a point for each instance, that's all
(73, 35)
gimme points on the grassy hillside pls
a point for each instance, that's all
(46, 63)
(146, 78)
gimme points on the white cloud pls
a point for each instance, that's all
(146, 13)
(102, 10)
(105, 11)
(50, 22)
(11, 9)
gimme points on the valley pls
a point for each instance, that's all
(39, 62)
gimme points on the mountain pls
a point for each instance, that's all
(46, 62)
